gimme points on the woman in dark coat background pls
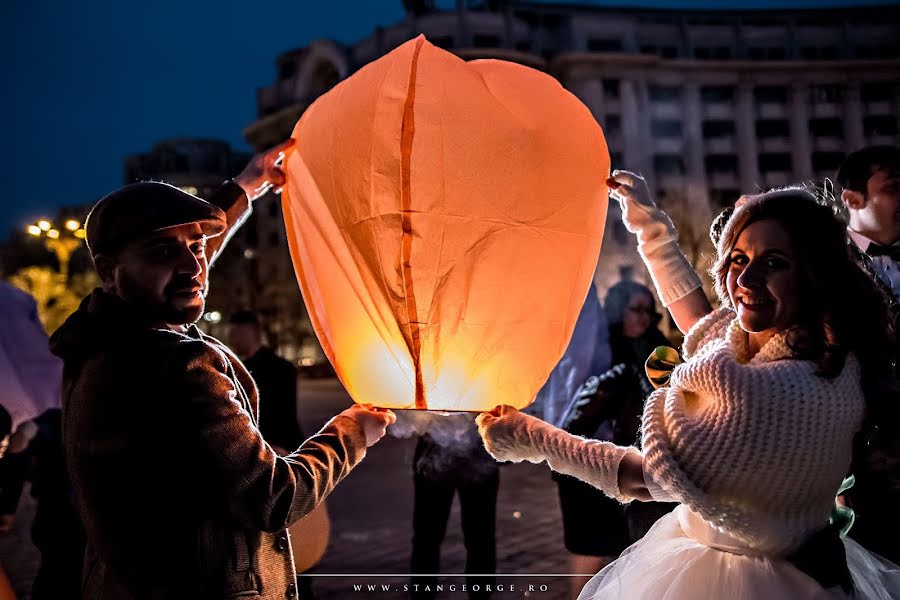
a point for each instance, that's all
(597, 529)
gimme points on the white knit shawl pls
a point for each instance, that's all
(757, 445)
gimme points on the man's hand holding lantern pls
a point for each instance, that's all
(264, 172)
(374, 421)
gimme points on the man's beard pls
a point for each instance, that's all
(162, 310)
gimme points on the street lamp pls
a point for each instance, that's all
(61, 242)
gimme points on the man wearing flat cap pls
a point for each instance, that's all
(180, 495)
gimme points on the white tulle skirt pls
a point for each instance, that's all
(684, 558)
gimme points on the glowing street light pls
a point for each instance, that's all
(62, 242)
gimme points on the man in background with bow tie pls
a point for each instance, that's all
(870, 179)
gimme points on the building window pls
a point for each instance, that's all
(665, 128)
(827, 162)
(604, 45)
(773, 128)
(771, 93)
(826, 93)
(878, 92)
(486, 41)
(721, 163)
(775, 161)
(668, 51)
(718, 129)
(809, 53)
(664, 93)
(442, 41)
(725, 197)
(668, 164)
(712, 53)
(616, 161)
(613, 124)
(717, 93)
(766, 53)
(324, 77)
(611, 88)
(876, 51)
(880, 125)
(287, 69)
(819, 53)
(826, 128)
(722, 53)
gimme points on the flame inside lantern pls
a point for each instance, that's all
(444, 220)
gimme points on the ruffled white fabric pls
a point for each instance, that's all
(685, 558)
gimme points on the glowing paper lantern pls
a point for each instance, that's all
(444, 219)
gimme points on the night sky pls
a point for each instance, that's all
(87, 83)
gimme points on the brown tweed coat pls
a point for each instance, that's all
(180, 495)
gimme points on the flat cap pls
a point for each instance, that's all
(139, 209)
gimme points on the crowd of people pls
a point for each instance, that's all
(723, 478)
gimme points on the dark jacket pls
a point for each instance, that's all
(179, 494)
(876, 494)
(618, 395)
(276, 380)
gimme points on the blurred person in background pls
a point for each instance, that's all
(275, 378)
(608, 407)
(30, 408)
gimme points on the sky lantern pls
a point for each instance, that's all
(444, 219)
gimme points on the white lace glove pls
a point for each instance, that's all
(512, 436)
(672, 274)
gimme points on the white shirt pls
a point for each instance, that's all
(885, 267)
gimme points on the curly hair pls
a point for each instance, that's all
(844, 311)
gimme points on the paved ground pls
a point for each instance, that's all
(371, 516)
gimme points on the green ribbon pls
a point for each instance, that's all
(843, 516)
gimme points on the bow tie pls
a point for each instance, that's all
(892, 252)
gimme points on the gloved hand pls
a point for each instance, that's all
(640, 214)
(672, 274)
(512, 436)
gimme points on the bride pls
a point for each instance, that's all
(783, 393)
